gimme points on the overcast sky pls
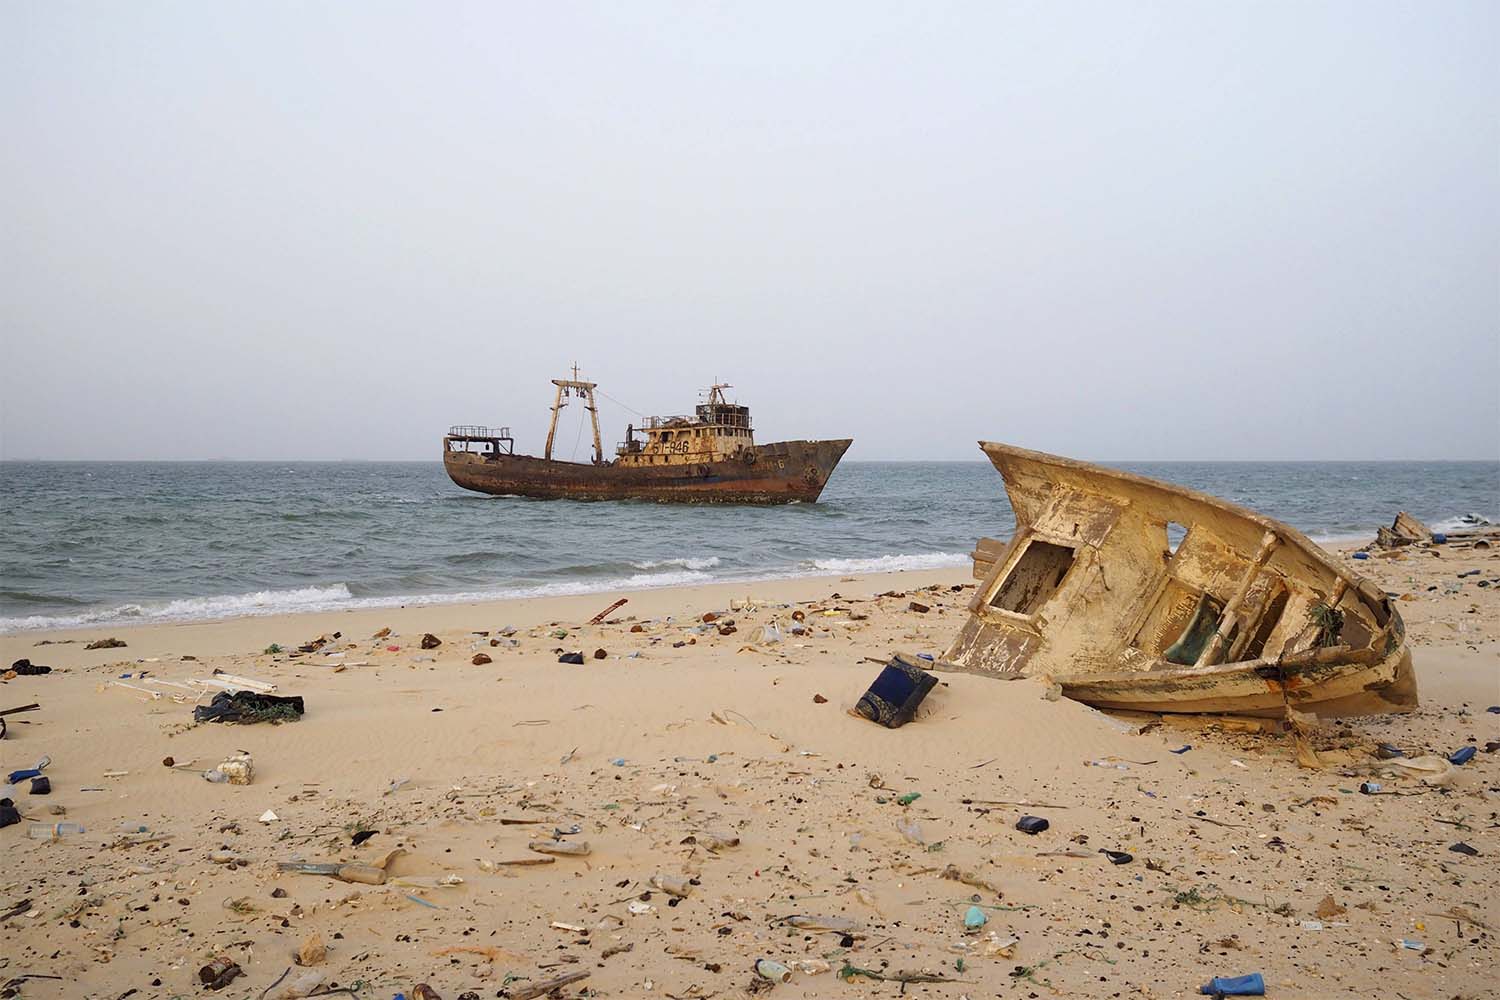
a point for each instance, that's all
(1115, 231)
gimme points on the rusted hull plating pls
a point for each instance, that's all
(781, 472)
(1245, 615)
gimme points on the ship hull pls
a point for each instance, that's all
(782, 472)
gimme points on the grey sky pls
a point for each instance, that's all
(1155, 231)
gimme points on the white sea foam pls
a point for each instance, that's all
(1461, 522)
(261, 602)
(696, 564)
(333, 598)
(337, 597)
(892, 563)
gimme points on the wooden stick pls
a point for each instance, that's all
(607, 611)
(541, 989)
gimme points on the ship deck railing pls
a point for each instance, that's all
(478, 432)
(490, 440)
(668, 423)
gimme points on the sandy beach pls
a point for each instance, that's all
(680, 737)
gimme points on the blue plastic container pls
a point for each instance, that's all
(1235, 986)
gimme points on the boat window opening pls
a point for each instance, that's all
(1175, 534)
(1034, 578)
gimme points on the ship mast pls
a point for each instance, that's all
(585, 391)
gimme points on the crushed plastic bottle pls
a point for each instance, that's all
(53, 831)
(911, 830)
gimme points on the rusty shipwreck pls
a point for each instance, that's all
(710, 456)
(1244, 615)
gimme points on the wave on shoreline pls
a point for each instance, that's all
(337, 597)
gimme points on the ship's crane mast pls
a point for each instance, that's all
(585, 391)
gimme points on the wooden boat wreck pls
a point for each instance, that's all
(1244, 615)
(710, 456)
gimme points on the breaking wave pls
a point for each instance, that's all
(892, 564)
(261, 602)
(1461, 522)
(693, 564)
(338, 597)
(332, 598)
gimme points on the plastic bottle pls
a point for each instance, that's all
(770, 969)
(53, 831)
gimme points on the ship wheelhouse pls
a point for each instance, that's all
(717, 431)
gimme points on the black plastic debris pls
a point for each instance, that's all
(571, 658)
(893, 699)
(9, 814)
(1462, 755)
(1462, 848)
(1116, 857)
(41, 785)
(1032, 824)
(245, 707)
(28, 669)
(360, 836)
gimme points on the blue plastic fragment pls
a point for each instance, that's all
(1462, 755)
(1183, 749)
(1235, 986)
(1438, 538)
(926, 656)
(1361, 555)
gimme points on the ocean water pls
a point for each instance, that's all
(119, 543)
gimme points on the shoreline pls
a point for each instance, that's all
(1341, 545)
(239, 633)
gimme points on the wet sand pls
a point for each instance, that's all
(1235, 848)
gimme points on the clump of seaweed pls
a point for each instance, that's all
(1329, 622)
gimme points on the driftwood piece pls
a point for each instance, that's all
(609, 611)
(545, 986)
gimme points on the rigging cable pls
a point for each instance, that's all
(618, 403)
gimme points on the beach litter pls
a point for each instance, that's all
(430, 641)
(219, 973)
(570, 848)
(896, 693)
(1251, 985)
(110, 643)
(609, 611)
(575, 658)
(249, 707)
(542, 987)
(236, 770)
(772, 970)
(350, 872)
(25, 668)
